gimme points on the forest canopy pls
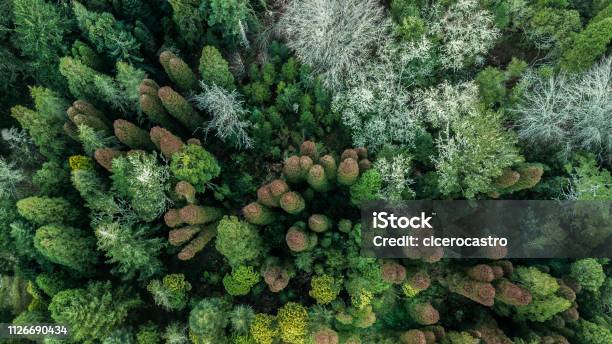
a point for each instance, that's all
(192, 171)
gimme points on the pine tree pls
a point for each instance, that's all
(93, 312)
(40, 31)
(131, 247)
(108, 35)
(45, 123)
(68, 246)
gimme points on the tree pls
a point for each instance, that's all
(189, 20)
(292, 323)
(171, 292)
(231, 16)
(208, 319)
(45, 123)
(194, 165)
(40, 30)
(108, 35)
(588, 273)
(131, 247)
(10, 177)
(93, 312)
(334, 37)
(46, 210)
(466, 33)
(241, 280)
(139, 178)
(588, 181)
(324, 288)
(569, 113)
(68, 246)
(545, 304)
(590, 44)
(551, 28)
(592, 333)
(238, 241)
(474, 148)
(228, 115)
(214, 69)
(366, 188)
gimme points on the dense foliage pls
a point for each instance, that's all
(191, 171)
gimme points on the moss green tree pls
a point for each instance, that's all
(238, 241)
(46, 210)
(68, 246)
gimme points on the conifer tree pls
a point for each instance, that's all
(107, 35)
(40, 32)
(68, 246)
(45, 123)
(92, 312)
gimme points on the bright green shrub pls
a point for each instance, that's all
(292, 323)
(324, 289)
(241, 280)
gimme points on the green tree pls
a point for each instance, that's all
(366, 188)
(230, 16)
(40, 31)
(93, 312)
(45, 123)
(46, 210)
(215, 69)
(132, 248)
(592, 333)
(194, 165)
(292, 323)
(324, 288)
(241, 280)
(189, 20)
(588, 181)
(238, 241)
(68, 246)
(143, 181)
(588, 273)
(108, 35)
(590, 44)
(171, 292)
(208, 320)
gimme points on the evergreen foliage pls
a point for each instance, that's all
(192, 171)
(92, 312)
